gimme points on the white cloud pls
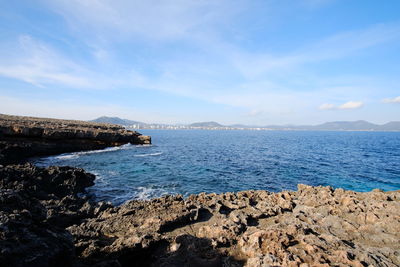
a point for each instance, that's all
(34, 62)
(203, 24)
(351, 105)
(151, 19)
(347, 105)
(391, 100)
(327, 106)
(267, 83)
(332, 47)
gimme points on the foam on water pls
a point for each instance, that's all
(145, 193)
(190, 162)
(148, 155)
(67, 156)
(75, 155)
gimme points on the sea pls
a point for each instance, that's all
(193, 161)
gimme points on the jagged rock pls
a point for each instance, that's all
(36, 204)
(315, 226)
(45, 222)
(24, 137)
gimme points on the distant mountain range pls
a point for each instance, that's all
(208, 124)
(360, 125)
(116, 120)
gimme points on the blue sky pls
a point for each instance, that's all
(179, 61)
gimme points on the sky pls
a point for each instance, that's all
(254, 62)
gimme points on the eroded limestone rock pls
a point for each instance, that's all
(313, 226)
(23, 137)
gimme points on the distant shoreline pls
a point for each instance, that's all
(261, 129)
(360, 125)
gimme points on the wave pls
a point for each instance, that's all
(144, 145)
(148, 155)
(145, 193)
(69, 156)
(75, 155)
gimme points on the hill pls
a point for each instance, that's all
(347, 126)
(208, 124)
(360, 125)
(390, 126)
(116, 120)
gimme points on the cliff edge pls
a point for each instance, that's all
(24, 137)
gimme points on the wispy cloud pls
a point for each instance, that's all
(40, 64)
(351, 105)
(347, 105)
(330, 48)
(34, 62)
(392, 100)
(151, 20)
(194, 49)
(327, 106)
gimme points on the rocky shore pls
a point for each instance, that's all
(24, 137)
(46, 219)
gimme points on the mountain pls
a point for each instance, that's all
(288, 127)
(390, 126)
(340, 126)
(359, 125)
(208, 124)
(116, 120)
(241, 126)
(347, 126)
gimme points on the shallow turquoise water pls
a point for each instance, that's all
(193, 161)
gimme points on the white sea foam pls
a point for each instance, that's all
(67, 156)
(143, 146)
(148, 155)
(78, 154)
(145, 193)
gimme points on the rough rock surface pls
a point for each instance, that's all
(36, 205)
(23, 137)
(44, 222)
(315, 226)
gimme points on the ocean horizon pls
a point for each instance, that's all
(193, 161)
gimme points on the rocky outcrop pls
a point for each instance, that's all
(36, 205)
(315, 226)
(24, 137)
(46, 222)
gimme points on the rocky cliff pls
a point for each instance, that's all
(24, 137)
(45, 220)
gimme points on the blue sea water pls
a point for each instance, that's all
(193, 161)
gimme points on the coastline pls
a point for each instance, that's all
(43, 208)
(24, 137)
